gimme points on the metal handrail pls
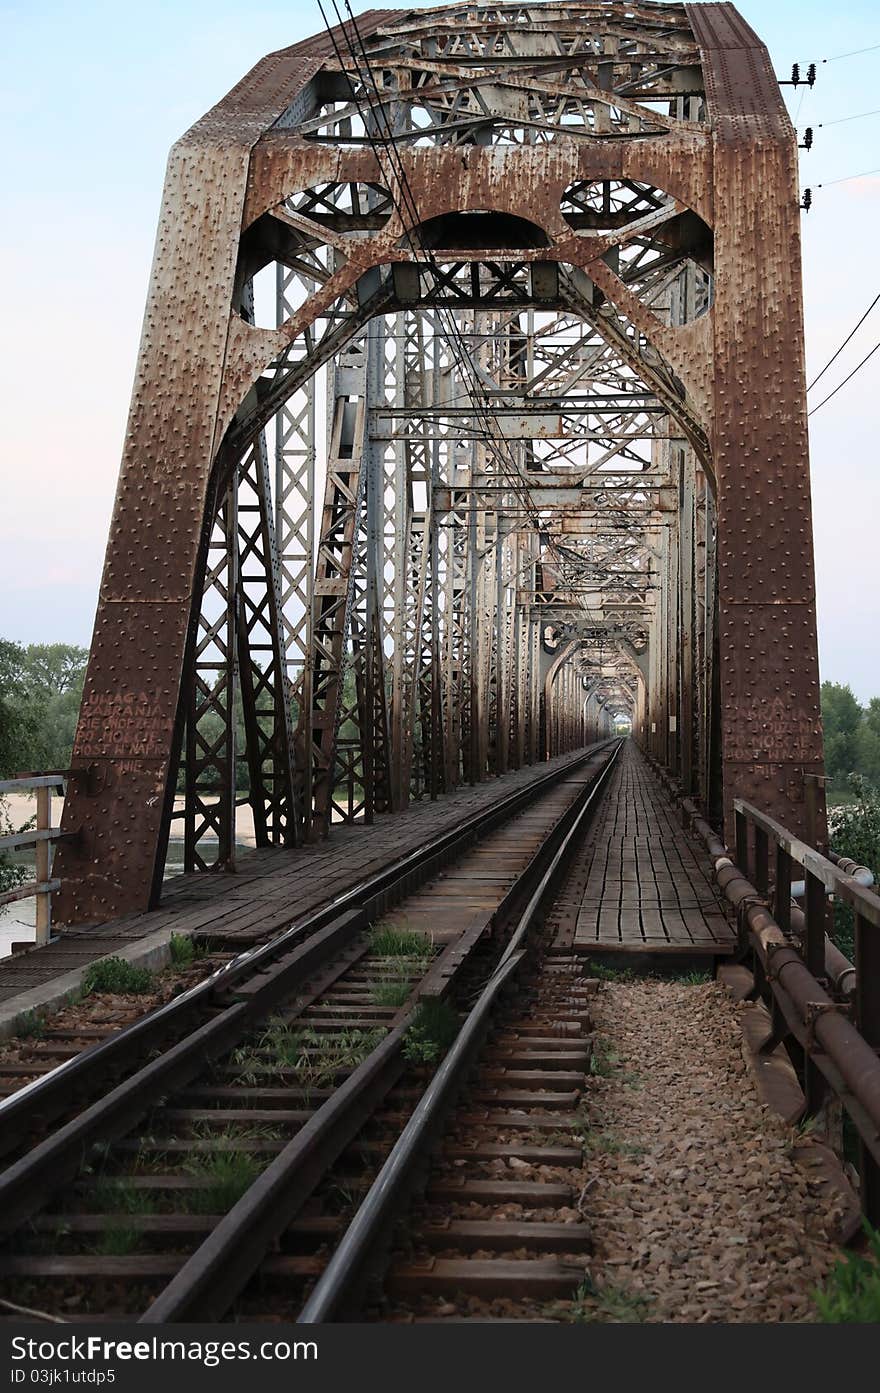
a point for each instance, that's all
(834, 880)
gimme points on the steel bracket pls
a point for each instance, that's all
(772, 949)
(816, 1009)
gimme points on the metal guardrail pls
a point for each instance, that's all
(822, 878)
(42, 837)
(835, 1036)
(825, 1011)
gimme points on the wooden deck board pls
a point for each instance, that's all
(641, 882)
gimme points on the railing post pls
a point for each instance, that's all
(814, 785)
(814, 912)
(42, 860)
(762, 860)
(867, 964)
(782, 901)
(742, 842)
(815, 1083)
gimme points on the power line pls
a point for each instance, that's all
(845, 180)
(845, 380)
(844, 344)
(839, 120)
(852, 54)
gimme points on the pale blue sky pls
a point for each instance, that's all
(94, 95)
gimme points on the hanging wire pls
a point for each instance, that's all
(853, 54)
(839, 120)
(846, 179)
(844, 344)
(845, 380)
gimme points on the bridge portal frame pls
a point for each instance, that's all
(733, 381)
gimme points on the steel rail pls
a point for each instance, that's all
(50, 1095)
(371, 1226)
(217, 1271)
(276, 970)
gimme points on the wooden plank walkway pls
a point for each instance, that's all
(272, 888)
(642, 884)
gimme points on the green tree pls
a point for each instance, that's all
(40, 691)
(855, 832)
(19, 720)
(841, 721)
(868, 743)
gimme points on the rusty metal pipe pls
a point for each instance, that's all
(839, 968)
(849, 1052)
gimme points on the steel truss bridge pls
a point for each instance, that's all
(468, 423)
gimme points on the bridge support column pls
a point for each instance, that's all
(771, 734)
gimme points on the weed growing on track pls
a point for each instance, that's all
(393, 993)
(395, 988)
(612, 1304)
(341, 1197)
(314, 1057)
(184, 950)
(609, 974)
(432, 1030)
(283, 1041)
(613, 1146)
(386, 941)
(603, 1059)
(236, 1132)
(30, 1025)
(117, 1239)
(327, 1055)
(115, 1194)
(227, 1175)
(117, 976)
(851, 1296)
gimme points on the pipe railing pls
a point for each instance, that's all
(822, 877)
(825, 1010)
(838, 1039)
(41, 838)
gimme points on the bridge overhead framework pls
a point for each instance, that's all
(469, 420)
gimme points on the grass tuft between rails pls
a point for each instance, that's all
(226, 1175)
(117, 1239)
(433, 1028)
(395, 989)
(314, 1057)
(116, 1194)
(386, 941)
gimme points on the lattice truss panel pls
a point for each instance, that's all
(481, 459)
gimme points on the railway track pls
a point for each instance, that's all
(251, 1116)
(68, 1068)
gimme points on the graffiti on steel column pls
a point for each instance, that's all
(122, 725)
(773, 732)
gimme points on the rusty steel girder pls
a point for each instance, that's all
(628, 169)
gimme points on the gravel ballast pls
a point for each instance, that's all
(698, 1208)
